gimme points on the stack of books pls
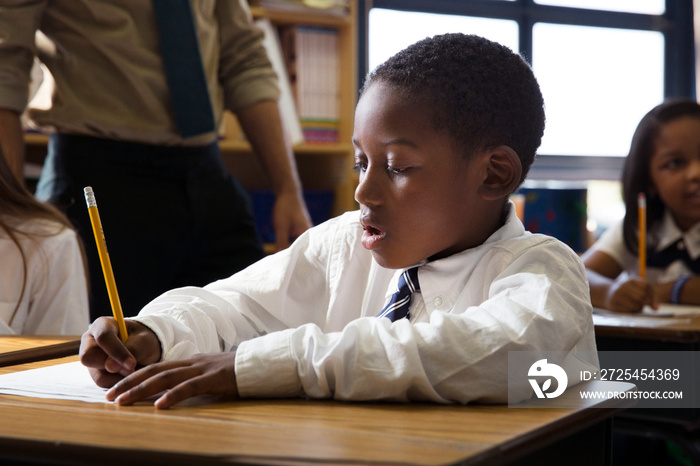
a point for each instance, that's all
(336, 7)
(290, 115)
(311, 58)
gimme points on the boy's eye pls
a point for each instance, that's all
(362, 167)
(395, 171)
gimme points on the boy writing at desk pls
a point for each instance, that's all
(444, 132)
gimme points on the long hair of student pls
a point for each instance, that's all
(636, 176)
(18, 205)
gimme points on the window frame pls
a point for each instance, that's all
(676, 24)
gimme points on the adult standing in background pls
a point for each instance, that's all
(115, 126)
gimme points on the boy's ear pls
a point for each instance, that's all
(503, 171)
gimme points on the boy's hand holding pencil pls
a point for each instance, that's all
(108, 359)
(105, 261)
(113, 364)
(108, 348)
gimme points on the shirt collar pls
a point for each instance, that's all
(458, 267)
(668, 233)
(455, 264)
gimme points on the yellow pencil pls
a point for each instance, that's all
(106, 263)
(642, 211)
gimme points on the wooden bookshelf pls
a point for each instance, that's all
(307, 17)
(35, 150)
(321, 166)
(36, 139)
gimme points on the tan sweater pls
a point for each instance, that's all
(105, 59)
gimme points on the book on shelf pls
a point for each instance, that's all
(311, 57)
(290, 116)
(332, 7)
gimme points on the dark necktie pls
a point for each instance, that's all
(401, 299)
(183, 67)
(670, 254)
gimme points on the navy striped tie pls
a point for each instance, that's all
(401, 300)
(183, 67)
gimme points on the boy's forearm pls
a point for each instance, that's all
(12, 141)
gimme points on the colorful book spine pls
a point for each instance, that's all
(311, 56)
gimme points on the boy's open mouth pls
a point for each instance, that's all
(371, 237)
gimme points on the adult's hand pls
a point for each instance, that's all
(289, 218)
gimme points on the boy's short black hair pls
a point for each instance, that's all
(482, 93)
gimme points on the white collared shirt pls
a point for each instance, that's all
(302, 322)
(665, 233)
(55, 300)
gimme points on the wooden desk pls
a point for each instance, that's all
(20, 349)
(303, 432)
(683, 333)
(630, 332)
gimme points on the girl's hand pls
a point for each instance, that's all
(203, 374)
(630, 295)
(108, 359)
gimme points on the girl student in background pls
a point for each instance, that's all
(664, 164)
(43, 285)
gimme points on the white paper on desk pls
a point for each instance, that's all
(665, 310)
(70, 381)
(672, 310)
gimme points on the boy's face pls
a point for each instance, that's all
(418, 197)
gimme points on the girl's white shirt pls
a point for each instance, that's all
(55, 298)
(665, 233)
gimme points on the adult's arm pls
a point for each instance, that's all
(19, 20)
(262, 124)
(251, 91)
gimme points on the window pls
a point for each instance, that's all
(597, 84)
(385, 38)
(601, 64)
(652, 7)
